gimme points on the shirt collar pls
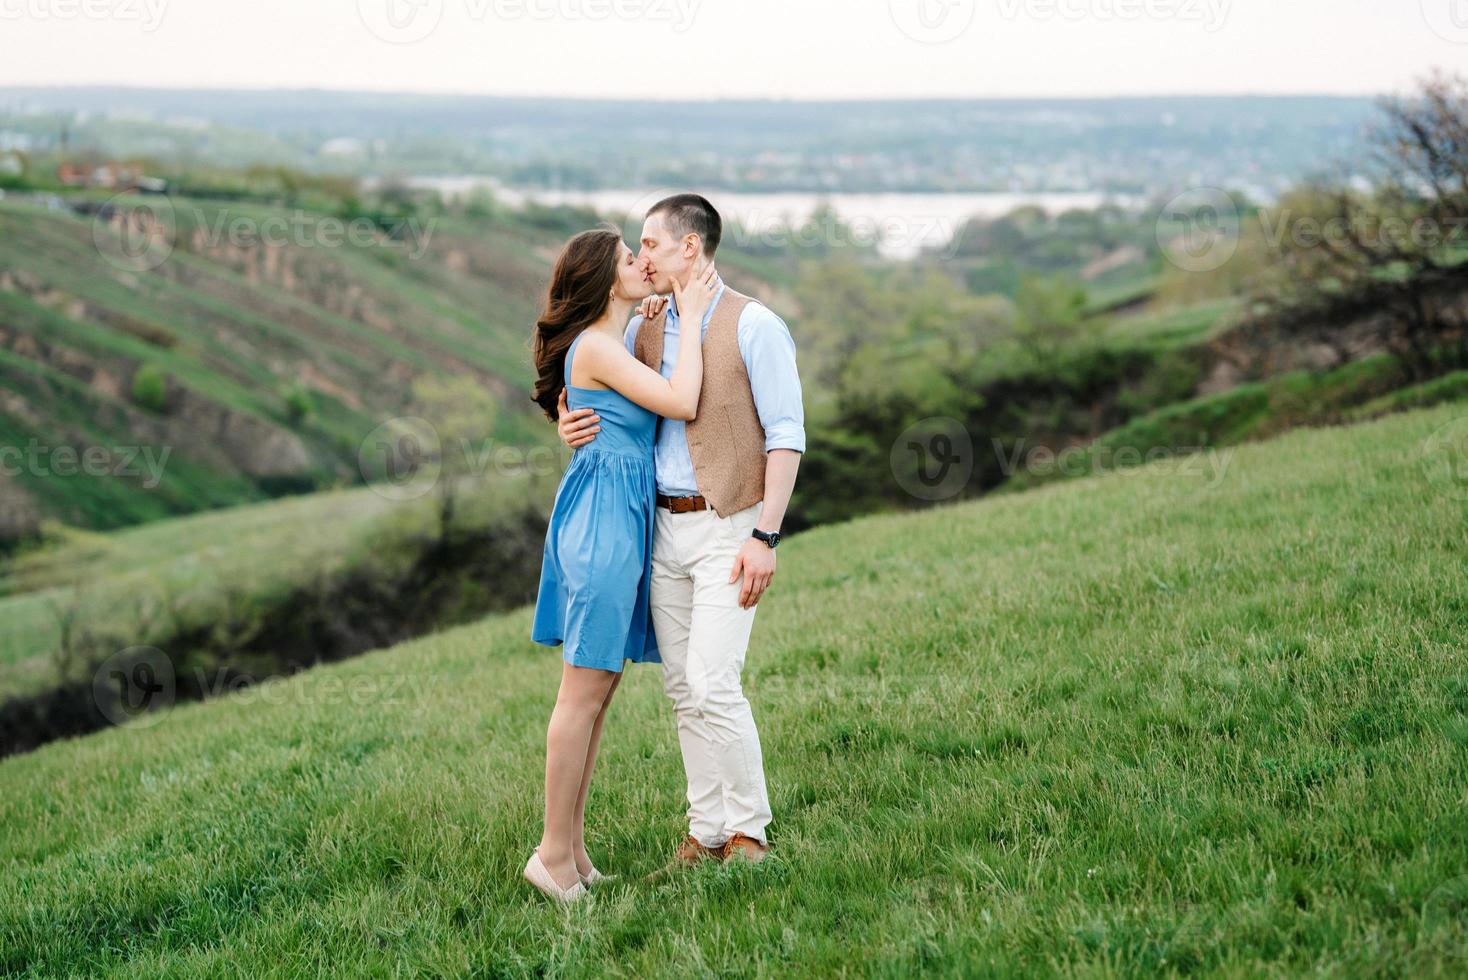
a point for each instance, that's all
(718, 293)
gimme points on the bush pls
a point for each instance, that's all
(298, 403)
(150, 388)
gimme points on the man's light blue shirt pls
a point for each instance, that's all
(769, 357)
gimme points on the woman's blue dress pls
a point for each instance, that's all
(598, 550)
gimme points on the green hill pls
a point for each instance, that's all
(257, 357)
(112, 582)
(1126, 724)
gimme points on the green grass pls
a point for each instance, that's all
(237, 326)
(1120, 290)
(234, 329)
(1353, 392)
(191, 566)
(1123, 725)
(1450, 387)
(1175, 327)
(107, 574)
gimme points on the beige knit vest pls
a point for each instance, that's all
(726, 440)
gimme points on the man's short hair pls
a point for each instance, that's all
(691, 214)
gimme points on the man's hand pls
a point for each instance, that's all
(579, 427)
(756, 562)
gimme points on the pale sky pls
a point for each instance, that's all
(660, 49)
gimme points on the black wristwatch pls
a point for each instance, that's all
(771, 538)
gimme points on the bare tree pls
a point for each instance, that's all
(1389, 258)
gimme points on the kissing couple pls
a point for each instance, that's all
(688, 428)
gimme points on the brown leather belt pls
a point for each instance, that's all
(682, 505)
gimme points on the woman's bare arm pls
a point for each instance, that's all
(675, 397)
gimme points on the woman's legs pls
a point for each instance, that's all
(583, 860)
(568, 738)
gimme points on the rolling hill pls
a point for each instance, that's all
(1126, 724)
(251, 360)
(218, 352)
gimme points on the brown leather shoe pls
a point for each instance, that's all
(742, 848)
(692, 852)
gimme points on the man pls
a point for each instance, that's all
(723, 481)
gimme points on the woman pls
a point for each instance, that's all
(594, 576)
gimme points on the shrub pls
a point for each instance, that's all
(298, 403)
(150, 388)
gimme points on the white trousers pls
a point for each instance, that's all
(702, 635)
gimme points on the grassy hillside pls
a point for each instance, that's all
(126, 587)
(1126, 724)
(259, 355)
(1365, 389)
(110, 581)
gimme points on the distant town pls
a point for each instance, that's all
(1125, 146)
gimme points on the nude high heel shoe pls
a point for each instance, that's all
(595, 878)
(537, 875)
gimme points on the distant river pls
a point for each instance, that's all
(899, 224)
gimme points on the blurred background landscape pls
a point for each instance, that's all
(264, 362)
(226, 298)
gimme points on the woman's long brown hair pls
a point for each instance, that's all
(580, 289)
